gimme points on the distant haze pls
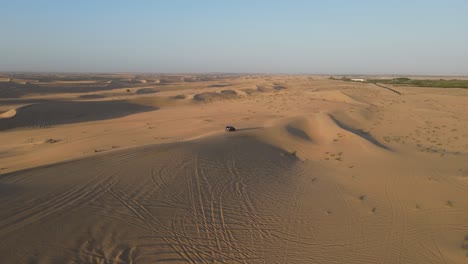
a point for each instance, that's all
(337, 37)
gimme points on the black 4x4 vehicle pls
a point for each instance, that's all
(230, 129)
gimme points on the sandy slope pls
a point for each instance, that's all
(319, 172)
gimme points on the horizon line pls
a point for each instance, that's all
(231, 73)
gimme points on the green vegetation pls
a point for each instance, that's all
(344, 78)
(441, 83)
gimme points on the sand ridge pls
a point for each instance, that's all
(319, 171)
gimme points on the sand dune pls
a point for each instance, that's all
(318, 171)
(225, 199)
(335, 96)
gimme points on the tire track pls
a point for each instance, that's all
(207, 228)
(67, 199)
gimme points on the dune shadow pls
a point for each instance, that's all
(228, 93)
(220, 85)
(359, 133)
(211, 96)
(18, 101)
(66, 112)
(298, 132)
(279, 87)
(8, 190)
(18, 90)
(147, 91)
(179, 97)
(249, 91)
(91, 96)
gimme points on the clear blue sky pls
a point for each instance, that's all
(368, 37)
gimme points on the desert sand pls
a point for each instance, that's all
(132, 168)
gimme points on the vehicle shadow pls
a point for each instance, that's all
(248, 128)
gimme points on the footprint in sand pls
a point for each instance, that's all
(449, 203)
